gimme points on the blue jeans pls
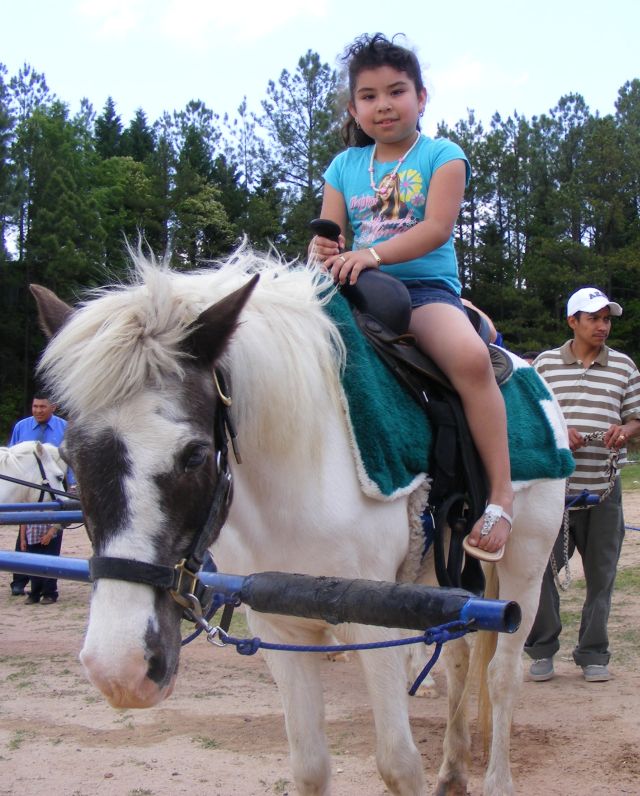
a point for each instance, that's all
(45, 587)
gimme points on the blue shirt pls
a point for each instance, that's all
(374, 218)
(52, 431)
(30, 430)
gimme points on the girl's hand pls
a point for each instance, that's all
(349, 265)
(322, 248)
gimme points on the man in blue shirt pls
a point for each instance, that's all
(43, 426)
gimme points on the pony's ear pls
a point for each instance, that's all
(39, 448)
(210, 332)
(52, 311)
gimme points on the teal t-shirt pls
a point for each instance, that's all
(374, 219)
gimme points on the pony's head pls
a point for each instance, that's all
(35, 462)
(134, 368)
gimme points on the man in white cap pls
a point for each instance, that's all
(599, 392)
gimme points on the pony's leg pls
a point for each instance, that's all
(504, 678)
(520, 575)
(297, 676)
(398, 759)
(453, 774)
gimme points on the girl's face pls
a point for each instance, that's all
(387, 106)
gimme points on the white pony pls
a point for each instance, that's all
(35, 462)
(133, 369)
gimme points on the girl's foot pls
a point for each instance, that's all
(489, 535)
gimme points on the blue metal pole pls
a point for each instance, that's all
(492, 614)
(51, 517)
(55, 505)
(396, 605)
(45, 566)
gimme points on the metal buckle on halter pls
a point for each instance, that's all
(183, 592)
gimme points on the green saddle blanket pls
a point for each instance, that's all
(391, 434)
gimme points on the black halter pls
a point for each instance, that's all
(182, 579)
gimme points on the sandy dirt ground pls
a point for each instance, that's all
(222, 731)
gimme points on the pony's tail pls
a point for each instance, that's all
(483, 651)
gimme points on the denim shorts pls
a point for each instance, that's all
(422, 293)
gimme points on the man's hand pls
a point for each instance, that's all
(576, 440)
(49, 536)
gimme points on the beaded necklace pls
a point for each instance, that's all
(386, 183)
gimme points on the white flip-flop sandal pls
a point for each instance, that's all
(492, 514)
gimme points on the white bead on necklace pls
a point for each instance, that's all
(386, 183)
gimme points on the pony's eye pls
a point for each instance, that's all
(194, 456)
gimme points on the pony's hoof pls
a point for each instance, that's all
(452, 788)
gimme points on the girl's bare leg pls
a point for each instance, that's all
(446, 335)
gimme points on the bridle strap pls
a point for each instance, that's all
(134, 571)
(45, 480)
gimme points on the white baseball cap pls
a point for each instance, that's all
(590, 299)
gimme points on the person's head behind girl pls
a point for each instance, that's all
(375, 52)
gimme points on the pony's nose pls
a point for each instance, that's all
(128, 685)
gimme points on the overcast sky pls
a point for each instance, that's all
(496, 55)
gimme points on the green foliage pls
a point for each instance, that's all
(553, 203)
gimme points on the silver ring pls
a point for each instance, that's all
(343, 258)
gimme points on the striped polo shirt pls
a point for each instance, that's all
(592, 399)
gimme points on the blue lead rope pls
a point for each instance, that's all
(435, 635)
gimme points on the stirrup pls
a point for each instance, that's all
(492, 514)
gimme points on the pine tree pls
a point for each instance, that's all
(108, 131)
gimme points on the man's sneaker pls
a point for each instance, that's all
(596, 673)
(541, 670)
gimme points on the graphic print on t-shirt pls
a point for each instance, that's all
(379, 217)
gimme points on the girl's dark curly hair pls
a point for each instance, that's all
(371, 52)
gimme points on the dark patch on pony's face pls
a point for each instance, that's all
(163, 644)
(101, 463)
(187, 488)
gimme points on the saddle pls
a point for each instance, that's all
(381, 306)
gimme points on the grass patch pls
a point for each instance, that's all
(18, 738)
(205, 742)
(628, 580)
(630, 475)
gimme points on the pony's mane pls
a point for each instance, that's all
(127, 338)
